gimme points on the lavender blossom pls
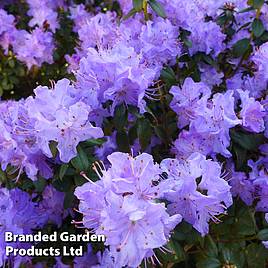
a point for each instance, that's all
(252, 113)
(125, 210)
(187, 196)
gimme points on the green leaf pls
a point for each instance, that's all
(5, 84)
(11, 63)
(175, 254)
(3, 177)
(132, 134)
(209, 263)
(160, 132)
(257, 3)
(63, 170)
(144, 132)
(263, 235)
(232, 253)
(241, 47)
(14, 80)
(245, 222)
(221, 20)
(131, 13)
(53, 148)
(240, 155)
(177, 248)
(94, 142)
(20, 71)
(40, 184)
(157, 8)
(79, 180)
(137, 4)
(246, 10)
(194, 237)
(120, 116)
(256, 255)
(83, 157)
(208, 59)
(68, 200)
(63, 186)
(27, 184)
(264, 37)
(188, 42)
(257, 27)
(181, 231)
(122, 141)
(210, 246)
(168, 75)
(80, 162)
(248, 141)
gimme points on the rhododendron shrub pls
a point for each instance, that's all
(145, 121)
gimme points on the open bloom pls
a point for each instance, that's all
(122, 206)
(199, 193)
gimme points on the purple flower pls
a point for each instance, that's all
(265, 105)
(214, 120)
(187, 196)
(42, 12)
(80, 16)
(210, 76)
(135, 175)
(51, 206)
(186, 100)
(73, 62)
(92, 202)
(256, 85)
(241, 185)
(92, 260)
(182, 13)
(88, 260)
(61, 119)
(34, 48)
(18, 214)
(252, 113)
(210, 121)
(133, 227)
(125, 5)
(7, 29)
(107, 148)
(98, 31)
(159, 42)
(70, 127)
(115, 74)
(121, 205)
(207, 37)
(18, 144)
(261, 190)
(7, 22)
(260, 58)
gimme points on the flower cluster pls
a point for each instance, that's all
(209, 120)
(29, 127)
(122, 206)
(44, 13)
(252, 187)
(199, 192)
(32, 48)
(19, 214)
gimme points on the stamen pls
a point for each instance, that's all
(157, 259)
(83, 174)
(166, 249)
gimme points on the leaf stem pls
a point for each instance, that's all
(145, 9)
